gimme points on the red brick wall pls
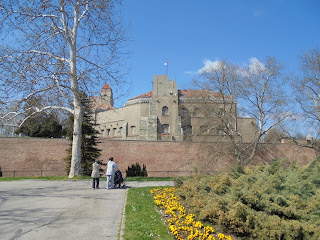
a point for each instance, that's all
(185, 157)
(160, 158)
(32, 155)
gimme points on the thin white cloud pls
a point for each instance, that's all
(255, 65)
(209, 65)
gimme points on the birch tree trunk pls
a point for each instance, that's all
(75, 167)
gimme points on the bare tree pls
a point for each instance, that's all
(307, 89)
(55, 49)
(223, 78)
(263, 97)
(255, 91)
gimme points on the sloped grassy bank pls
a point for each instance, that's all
(278, 201)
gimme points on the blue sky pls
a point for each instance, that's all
(189, 32)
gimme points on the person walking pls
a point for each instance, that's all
(95, 174)
(111, 168)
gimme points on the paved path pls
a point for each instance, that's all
(62, 210)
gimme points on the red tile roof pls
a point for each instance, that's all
(145, 95)
(106, 86)
(104, 106)
(184, 93)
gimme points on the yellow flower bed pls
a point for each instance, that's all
(181, 224)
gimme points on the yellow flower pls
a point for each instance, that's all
(221, 236)
(198, 225)
(180, 223)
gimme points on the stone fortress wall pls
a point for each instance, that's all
(28, 156)
(169, 114)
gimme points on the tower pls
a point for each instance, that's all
(165, 106)
(106, 94)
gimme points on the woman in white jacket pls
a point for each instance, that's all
(112, 167)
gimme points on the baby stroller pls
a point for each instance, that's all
(119, 180)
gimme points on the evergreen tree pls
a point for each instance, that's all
(41, 125)
(89, 150)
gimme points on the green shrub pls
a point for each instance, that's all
(278, 201)
(136, 171)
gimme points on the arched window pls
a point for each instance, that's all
(165, 128)
(165, 110)
(133, 129)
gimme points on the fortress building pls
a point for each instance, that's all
(169, 114)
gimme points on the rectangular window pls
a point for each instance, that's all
(204, 130)
(221, 112)
(165, 128)
(220, 130)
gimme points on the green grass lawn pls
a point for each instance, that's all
(143, 221)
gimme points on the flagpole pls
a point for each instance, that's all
(167, 66)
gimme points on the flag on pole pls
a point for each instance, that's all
(166, 63)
